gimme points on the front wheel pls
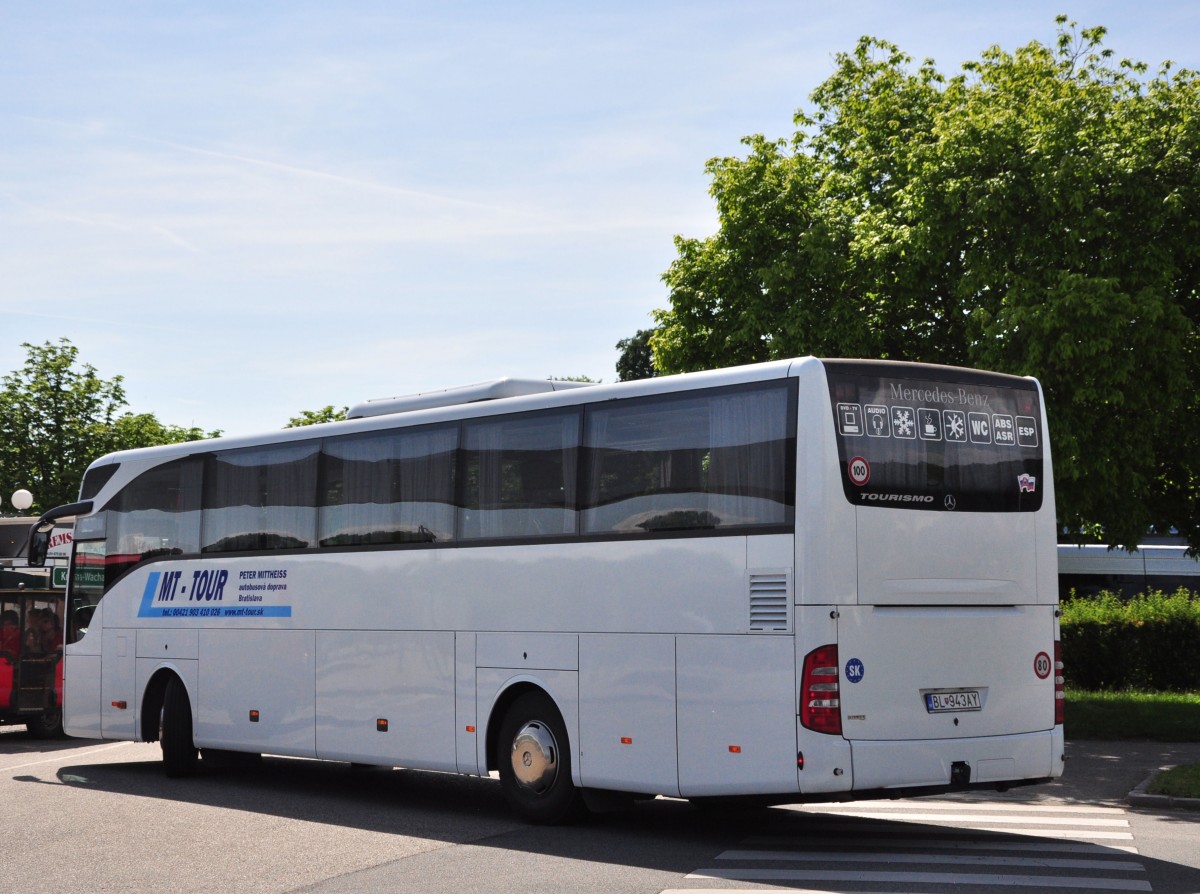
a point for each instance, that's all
(535, 762)
(175, 731)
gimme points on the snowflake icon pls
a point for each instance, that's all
(902, 421)
(957, 427)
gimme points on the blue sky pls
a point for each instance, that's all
(251, 209)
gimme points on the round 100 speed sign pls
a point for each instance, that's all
(859, 471)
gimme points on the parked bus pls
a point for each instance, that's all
(800, 580)
(31, 668)
(1163, 563)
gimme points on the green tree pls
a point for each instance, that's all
(131, 430)
(56, 416)
(636, 360)
(327, 413)
(1037, 213)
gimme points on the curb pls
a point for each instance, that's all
(1139, 798)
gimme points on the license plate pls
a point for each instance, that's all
(955, 700)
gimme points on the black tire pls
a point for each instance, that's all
(48, 724)
(534, 757)
(180, 756)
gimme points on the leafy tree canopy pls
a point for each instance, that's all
(636, 360)
(1038, 213)
(56, 416)
(327, 413)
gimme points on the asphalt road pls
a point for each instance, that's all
(83, 816)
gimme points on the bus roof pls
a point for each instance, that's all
(497, 389)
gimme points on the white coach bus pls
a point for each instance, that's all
(800, 580)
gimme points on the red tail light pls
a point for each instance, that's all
(820, 696)
(1059, 695)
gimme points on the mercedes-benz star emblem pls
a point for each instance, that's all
(950, 502)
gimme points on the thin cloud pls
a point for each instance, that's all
(107, 222)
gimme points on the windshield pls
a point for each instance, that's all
(939, 438)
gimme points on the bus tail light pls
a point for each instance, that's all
(820, 696)
(1059, 694)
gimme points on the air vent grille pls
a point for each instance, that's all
(770, 601)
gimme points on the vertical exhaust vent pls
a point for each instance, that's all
(770, 601)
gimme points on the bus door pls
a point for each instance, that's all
(36, 661)
(10, 649)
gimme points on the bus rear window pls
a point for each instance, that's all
(945, 439)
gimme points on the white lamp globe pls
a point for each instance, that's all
(22, 500)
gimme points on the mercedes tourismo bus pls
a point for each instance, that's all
(800, 580)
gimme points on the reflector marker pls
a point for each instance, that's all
(121, 705)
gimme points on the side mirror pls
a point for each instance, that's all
(39, 544)
(39, 534)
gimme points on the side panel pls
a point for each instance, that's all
(828, 764)
(466, 727)
(277, 683)
(826, 547)
(405, 679)
(81, 696)
(117, 683)
(737, 715)
(545, 651)
(627, 713)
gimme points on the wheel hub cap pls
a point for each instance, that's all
(535, 757)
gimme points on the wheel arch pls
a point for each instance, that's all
(152, 700)
(504, 700)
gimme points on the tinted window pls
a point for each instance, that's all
(518, 476)
(156, 514)
(397, 487)
(943, 439)
(712, 460)
(260, 499)
(94, 479)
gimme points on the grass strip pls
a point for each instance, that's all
(1178, 782)
(1133, 715)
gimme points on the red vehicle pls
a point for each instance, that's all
(31, 669)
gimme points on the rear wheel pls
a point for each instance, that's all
(48, 724)
(175, 731)
(535, 762)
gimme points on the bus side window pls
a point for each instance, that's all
(156, 514)
(519, 476)
(260, 499)
(711, 460)
(395, 487)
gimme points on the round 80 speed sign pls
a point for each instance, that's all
(1041, 665)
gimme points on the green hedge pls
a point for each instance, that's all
(1150, 642)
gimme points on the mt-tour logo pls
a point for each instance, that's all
(210, 593)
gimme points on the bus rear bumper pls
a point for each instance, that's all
(991, 761)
